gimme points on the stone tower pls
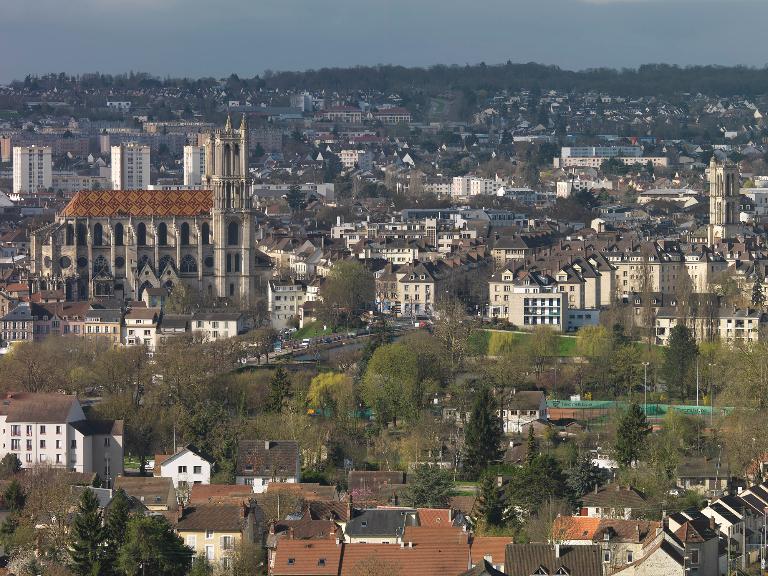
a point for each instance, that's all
(233, 220)
(723, 200)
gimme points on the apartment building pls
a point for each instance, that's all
(32, 170)
(528, 299)
(729, 325)
(194, 165)
(140, 327)
(212, 326)
(130, 166)
(354, 158)
(285, 296)
(52, 429)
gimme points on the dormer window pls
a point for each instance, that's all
(562, 571)
(321, 562)
(291, 561)
(364, 524)
(541, 571)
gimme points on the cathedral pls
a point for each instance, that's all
(118, 243)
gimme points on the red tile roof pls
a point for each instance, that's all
(434, 517)
(103, 203)
(493, 547)
(307, 558)
(204, 493)
(568, 528)
(427, 535)
(424, 560)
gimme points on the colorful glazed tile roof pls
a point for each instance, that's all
(107, 203)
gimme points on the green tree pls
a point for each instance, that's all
(201, 567)
(348, 291)
(583, 476)
(279, 390)
(14, 497)
(390, 386)
(429, 487)
(532, 484)
(86, 550)
(631, 435)
(679, 359)
(115, 522)
(151, 548)
(180, 300)
(483, 435)
(296, 198)
(492, 506)
(330, 391)
(532, 447)
(758, 297)
(9, 465)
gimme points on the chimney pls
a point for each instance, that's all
(290, 533)
(595, 488)
(557, 550)
(266, 444)
(410, 544)
(712, 523)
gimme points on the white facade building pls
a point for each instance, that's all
(194, 165)
(32, 170)
(130, 166)
(51, 429)
(185, 468)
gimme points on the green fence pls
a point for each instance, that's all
(656, 410)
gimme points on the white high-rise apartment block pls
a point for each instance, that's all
(194, 165)
(32, 169)
(130, 166)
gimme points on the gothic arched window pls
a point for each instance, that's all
(98, 234)
(165, 261)
(162, 234)
(205, 232)
(118, 234)
(141, 234)
(233, 233)
(188, 265)
(100, 266)
(184, 234)
(82, 234)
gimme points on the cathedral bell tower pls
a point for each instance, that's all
(226, 166)
(723, 200)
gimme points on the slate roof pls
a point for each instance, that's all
(99, 427)
(36, 407)
(525, 559)
(110, 203)
(614, 496)
(216, 517)
(524, 400)
(210, 493)
(379, 522)
(265, 458)
(149, 490)
(373, 480)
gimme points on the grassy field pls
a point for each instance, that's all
(495, 343)
(310, 331)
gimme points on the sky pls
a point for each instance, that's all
(196, 38)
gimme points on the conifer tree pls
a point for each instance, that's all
(483, 435)
(758, 297)
(533, 446)
(279, 390)
(492, 504)
(87, 551)
(115, 522)
(631, 435)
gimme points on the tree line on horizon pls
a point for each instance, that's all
(647, 79)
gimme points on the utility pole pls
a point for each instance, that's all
(645, 387)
